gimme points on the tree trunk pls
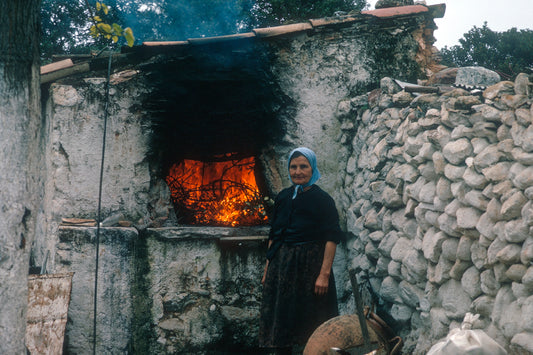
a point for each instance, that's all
(19, 162)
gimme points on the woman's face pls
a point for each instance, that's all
(300, 170)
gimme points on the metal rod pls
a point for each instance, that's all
(359, 308)
(98, 220)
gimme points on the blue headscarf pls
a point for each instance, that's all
(311, 157)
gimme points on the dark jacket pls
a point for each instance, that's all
(310, 217)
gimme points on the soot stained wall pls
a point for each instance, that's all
(214, 101)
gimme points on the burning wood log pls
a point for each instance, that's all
(221, 193)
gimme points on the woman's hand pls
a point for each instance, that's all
(322, 281)
(266, 266)
(321, 285)
(264, 274)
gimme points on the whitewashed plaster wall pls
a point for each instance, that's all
(73, 155)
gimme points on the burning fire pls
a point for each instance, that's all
(222, 193)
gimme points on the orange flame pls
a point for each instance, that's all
(217, 193)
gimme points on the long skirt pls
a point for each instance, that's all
(290, 310)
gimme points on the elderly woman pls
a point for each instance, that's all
(299, 288)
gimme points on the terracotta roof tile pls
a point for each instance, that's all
(282, 30)
(397, 11)
(165, 43)
(327, 21)
(438, 10)
(205, 40)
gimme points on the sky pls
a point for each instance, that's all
(462, 15)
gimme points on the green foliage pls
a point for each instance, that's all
(104, 29)
(508, 53)
(66, 23)
(63, 27)
(276, 12)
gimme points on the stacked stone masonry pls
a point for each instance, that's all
(437, 196)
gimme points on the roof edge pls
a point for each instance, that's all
(398, 11)
(436, 11)
(282, 30)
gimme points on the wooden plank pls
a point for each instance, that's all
(58, 74)
(78, 222)
(52, 67)
(48, 301)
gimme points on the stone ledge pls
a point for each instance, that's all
(88, 234)
(215, 233)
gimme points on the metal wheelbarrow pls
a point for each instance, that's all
(354, 334)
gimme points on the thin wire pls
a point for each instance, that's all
(95, 301)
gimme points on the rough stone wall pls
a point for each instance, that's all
(439, 206)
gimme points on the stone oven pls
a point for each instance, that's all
(244, 100)
(214, 111)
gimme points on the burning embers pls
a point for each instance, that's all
(221, 193)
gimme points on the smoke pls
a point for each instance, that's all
(181, 19)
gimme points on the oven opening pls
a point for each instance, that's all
(220, 192)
